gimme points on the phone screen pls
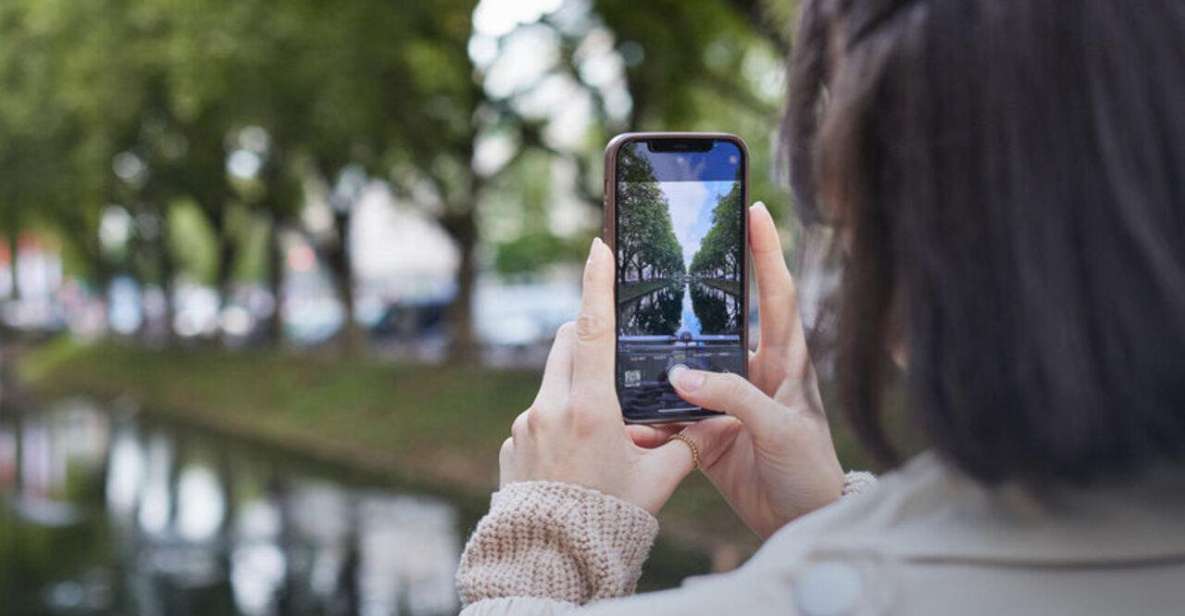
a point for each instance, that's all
(680, 243)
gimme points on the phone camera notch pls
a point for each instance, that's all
(679, 145)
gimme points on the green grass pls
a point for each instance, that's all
(437, 425)
(638, 289)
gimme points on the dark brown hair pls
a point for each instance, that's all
(1007, 180)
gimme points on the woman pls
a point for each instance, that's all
(1007, 178)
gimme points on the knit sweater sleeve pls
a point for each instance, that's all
(546, 548)
(556, 541)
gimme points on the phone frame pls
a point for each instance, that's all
(609, 235)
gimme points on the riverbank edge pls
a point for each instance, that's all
(630, 292)
(696, 526)
(732, 287)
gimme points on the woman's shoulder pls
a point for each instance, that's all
(926, 540)
(927, 509)
(927, 535)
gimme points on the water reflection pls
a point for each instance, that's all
(718, 312)
(658, 313)
(694, 308)
(106, 514)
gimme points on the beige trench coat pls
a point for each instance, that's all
(926, 541)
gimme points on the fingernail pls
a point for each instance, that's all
(759, 205)
(686, 379)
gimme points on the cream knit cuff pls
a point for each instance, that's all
(555, 540)
(856, 482)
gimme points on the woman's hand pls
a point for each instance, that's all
(772, 458)
(574, 432)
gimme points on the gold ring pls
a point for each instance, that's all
(690, 445)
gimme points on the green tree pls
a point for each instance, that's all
(647, 247)
(385, 89)
(715, 65)
(48, 172)
(719, 255)
(370, 89)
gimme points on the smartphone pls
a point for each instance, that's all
(676, 220)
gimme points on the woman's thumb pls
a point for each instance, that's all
(727, 393)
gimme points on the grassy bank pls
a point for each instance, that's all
(635, 290)
(428, 424)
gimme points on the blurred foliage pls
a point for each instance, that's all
(533, 251)
(711, 66)
(143, 106)
(190, 237)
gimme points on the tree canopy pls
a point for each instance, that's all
(218, 121)
(646, 244)
(719, 255)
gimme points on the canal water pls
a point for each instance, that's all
(105, 513)
(114, 512)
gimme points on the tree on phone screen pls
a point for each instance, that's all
(647, 248)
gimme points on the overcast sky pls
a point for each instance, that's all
(691, 210)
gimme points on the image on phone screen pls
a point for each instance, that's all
(680, 243)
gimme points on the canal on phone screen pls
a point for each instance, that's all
(119, 512)
(689, 321)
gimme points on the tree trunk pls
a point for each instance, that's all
(215, 207)
(227, 251)
(18, 460)
(352, 340)
(99, 270)
(275, 282)
(168, 272)
(13, 250)
(463, 347)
